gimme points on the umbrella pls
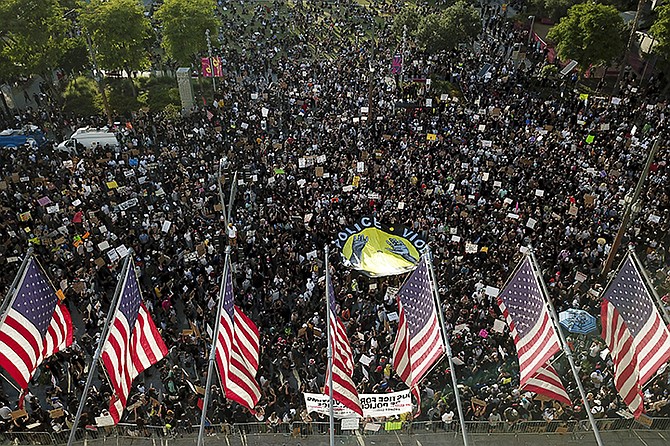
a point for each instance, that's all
(577, 321)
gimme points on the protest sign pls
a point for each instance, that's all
(373, 405)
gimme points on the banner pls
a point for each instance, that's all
(378, 250)
(217, 67)
(206, 67)
(396, 64)
(374, 405)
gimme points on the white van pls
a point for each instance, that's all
(88, 137)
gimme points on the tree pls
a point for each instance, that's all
(591, 34)
(184, 23)
(409, 18)
(661, 32)
(118, 29)
(456, 25)
(33, 37)
(553, 9)
(75, 59)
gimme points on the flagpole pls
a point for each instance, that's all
(103, 340)
(330, 356)
(649, 284)
(445, 339)
(233, 191)
(212, 351)
(222, 200)
(565, 347)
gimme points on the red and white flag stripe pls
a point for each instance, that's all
(424, 350)
(126, 354)
(622, 350)
(241, 384)
(25, 338)
(344, 389)
(547, 382)
(536, 349)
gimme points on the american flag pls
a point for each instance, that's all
(237, 350)
(132, 345)
(638, 340)
(35, 326)
(418, 343)
(547, 382)
(344, 390)
(536, 341)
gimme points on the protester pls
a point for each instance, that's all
(511, 166)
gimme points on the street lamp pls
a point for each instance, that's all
(532, 24)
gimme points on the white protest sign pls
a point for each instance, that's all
(113, 255)
(53, 209)
(166, 226)
(360, 166)
(539, 193)
(350, 424)
(491, 291)
(365, 360)
(128, 204)
(104, 421)
(531, 223)
(373, 405)
(392, 316)
(498, 326)
(122, 251)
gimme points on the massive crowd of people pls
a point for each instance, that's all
(513, 165)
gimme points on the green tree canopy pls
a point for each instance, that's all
(408, 17)
(33, 37)
(457, 24)
(119, 29)
(661, 32)
(591, 34)
(184, 23)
